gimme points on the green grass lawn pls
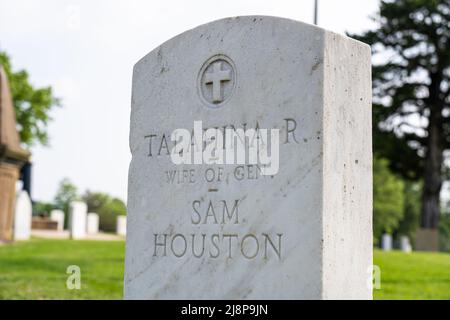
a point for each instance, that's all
(417, 275)
(37, 270)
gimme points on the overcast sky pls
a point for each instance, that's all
(86, 51)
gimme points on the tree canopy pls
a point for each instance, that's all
(66, 193)
(32, 105)
(107, 207)
(388, 195)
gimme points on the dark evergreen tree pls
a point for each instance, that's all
(411, 93)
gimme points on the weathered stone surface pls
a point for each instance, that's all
(22, 217)
(77, 220)
(226, 231)
(8, 177)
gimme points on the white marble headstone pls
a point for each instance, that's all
(22, 216)
(92, 223)
(58, 216)
(121, 225)
(77, 216)
(405, 244)
(215, 231)
(386, 242)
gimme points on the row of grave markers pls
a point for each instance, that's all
(387, 243)
(81, 223)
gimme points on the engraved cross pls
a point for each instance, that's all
(216, 77)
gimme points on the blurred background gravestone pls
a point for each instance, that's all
(405, 245)
(12, 159)
(77, 219)
(386, 242)
(121, 226)
(22, 216)
(58, 217)
(92, 223)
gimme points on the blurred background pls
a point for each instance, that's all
(69, 65)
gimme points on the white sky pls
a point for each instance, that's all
(86, 51)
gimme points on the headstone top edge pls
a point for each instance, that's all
(356, 42)
(78, 204)
(235, 19)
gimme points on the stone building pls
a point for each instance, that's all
(12, 159)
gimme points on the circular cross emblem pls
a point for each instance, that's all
(216, 81)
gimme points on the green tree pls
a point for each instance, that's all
(444, 231)
(411, 92)
(42, 208)
(388, 199)
(107, 207)
(66, 193)
(95, 200)
(411, 213)
(32, 105)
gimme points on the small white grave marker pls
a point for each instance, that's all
(22, 216)
(77, 216)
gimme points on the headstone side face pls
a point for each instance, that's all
(225, 230)
(121, 225)
(22, 217)
(92, 223)
(347, 194)
(58, 216)
(77, 217)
